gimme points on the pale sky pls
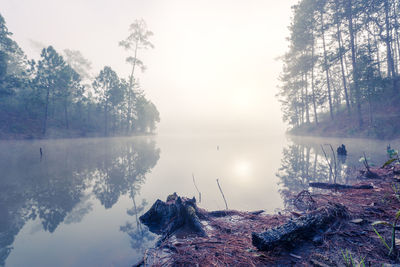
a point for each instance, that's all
(214, 64)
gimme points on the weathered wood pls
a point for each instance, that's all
(304, 227)
(165, 218)
(340, 186)
(225, 213)
(221, 213)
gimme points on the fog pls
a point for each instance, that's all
(214, 66)
(133, 113)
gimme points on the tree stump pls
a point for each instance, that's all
(177, 213)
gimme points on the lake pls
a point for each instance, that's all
(78, 204)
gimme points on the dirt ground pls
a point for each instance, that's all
(349, 241)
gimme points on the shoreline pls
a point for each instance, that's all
(345, 128)
(228, 239)
(327, 135)
(61, 137)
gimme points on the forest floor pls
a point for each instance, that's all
(351, 239)
(381, 120)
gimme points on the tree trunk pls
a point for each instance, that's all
(339, 40)
(312, 82)
(396, 10)
(106, 119)
(302, 104)
(378, 57)
(347, 72)
(349, 12)
(46, 111)
(80, 113)
(114, 122)
(88, 114)
(371, 118)
(306, 100)
(370, 86)
(388, 38)
(66, 114)
(396, 56)
(336, 98)
(130, 91)
(326, 64)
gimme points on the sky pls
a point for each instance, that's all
(214, 66)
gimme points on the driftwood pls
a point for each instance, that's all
(304, 227)
(340, 186)
(177, 213)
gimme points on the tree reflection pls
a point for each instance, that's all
(303, 163)
(140, 236)
(58, 188)
(79, 211)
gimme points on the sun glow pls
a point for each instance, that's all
(243, 168)
(241, 100)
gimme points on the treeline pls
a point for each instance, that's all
(342, 62)
(57, 95)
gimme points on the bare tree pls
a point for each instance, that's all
(137, 39)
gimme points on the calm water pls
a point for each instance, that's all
(79, 204)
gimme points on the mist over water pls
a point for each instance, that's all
(78, 204)
(213, 76)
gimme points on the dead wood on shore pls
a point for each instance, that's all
(303, 227)
(229, 233)
(340, 186)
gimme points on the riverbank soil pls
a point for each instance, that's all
(380, 122)
(344, 239)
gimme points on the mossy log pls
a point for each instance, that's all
(304, 227)
(340, 186)
(177, 213)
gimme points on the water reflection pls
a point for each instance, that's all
(60, 185)
(89, 193)
(312, 160)
(139, 234)
(297, 169)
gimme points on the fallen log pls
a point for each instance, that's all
(177, 213)
(340, 186)
(303, 227)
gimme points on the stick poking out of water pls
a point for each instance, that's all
(334, 160)
(222, 193)
(194, 182)
(329, 164)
